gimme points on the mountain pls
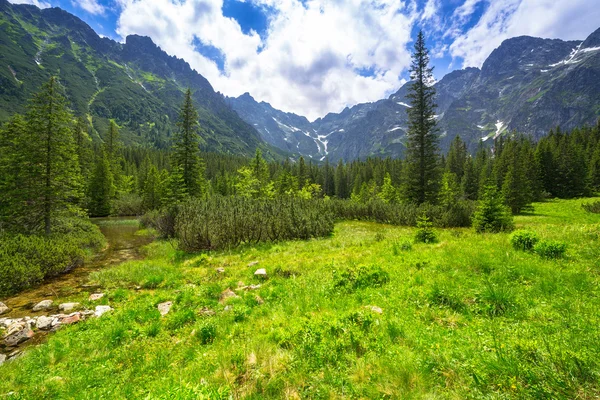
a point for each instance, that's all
(135, 83)
(527, 84)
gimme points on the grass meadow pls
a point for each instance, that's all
(365, 313)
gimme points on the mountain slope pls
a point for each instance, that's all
(527, 84)
(135, 83)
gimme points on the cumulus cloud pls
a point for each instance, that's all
(39, 3)
(502, 19)
(310, 61)
(91, 6)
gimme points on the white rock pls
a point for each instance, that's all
(165, 307)
(96, 296)
(43, 305)
(44, 322)
(253, 263)
(3, 308)
(68, 307)
(261, 273)
(100, 310)
(5, 322)
(2, 358)
(375, 309)
(220, 270)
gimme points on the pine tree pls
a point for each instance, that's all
(492, 215)
(186, 150)
(469, 184)
(112, 150)
(153, 194)
(12, 170)
(176, 189)
(422, 159)
(341, 181)
(450, 189)
(54, 176)
(388, 192)
(102, 187)
(457, 156)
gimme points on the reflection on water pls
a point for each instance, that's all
(123, 245)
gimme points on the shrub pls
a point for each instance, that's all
(28, 260)
(492, 215)
(523, 240)
(592, 207)
(127, 204)
(550, 249)
(225, 222)
(360, 277)
(403, 214)
(425, 232)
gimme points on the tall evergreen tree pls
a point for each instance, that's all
(102, 187)
(422, 159)
(186, 150)
(55, 178)
(13, 160)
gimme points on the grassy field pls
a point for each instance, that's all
(363, 314)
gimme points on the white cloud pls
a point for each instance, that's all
(39, 3)
(91, 6)
(502, 19)
(308, 62)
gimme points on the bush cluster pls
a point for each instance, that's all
(524, 240)
(550, 249)
(225, 222)
(403, 214)
(361, 277)
(28, 260)
(592, 207)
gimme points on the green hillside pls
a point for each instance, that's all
(135, 83)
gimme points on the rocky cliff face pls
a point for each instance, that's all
(527, 84)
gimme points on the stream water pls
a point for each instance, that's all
(122, 245)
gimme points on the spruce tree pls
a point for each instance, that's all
(102, 187)
(112, 150)
(388, 192)
(492, 215)
(54, 181)
(12, 170)
(186, 150)
(422, 159)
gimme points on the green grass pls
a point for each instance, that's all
(466, 317)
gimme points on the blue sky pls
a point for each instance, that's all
(317, 56)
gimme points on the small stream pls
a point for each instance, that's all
(122, 245)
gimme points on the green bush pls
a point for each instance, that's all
(27, 260)
(225, 222)
(425, 232)
(360, 277)
(550, 249)
(524, 240)
(126, 205)
(592, 207)
(404, 214)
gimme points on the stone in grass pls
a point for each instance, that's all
(43, 305)
(101, 310)
(227, 294)
(220, 270)
(3, 308)
(164, 308)
(68, 307)
(18, 334)
(71, 319)
(261, 273)
(96, 296)
(2, 358)
(253, 263)
(44, 323)
(375, 309)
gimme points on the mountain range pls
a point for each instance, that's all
(527, 84)
(135, 83)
